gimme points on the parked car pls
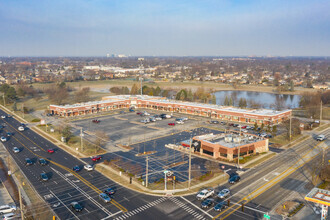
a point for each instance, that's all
(223, 123)
(146, 113)
(9, 134)
(163, 116)
(44, 177)
(9, 216)
(223, 193)
(96, 158)
(16, 150)
(244, 126)
(131, 110)
(96, 121)
(214, 122)
(158, 118)
(110, 191)
(139, 113)
(3, 116)
(21, 128)
(50, 150)
(320, 137)
(233, 179)
(42, 162)
(3, 139)
(269, 136)
(88, 167)
(105, 198)
(205, 193)
(263, 135)
(28, 162)
(180, 122)
(7, 208)
(171, 124)
(76, 206)
(244, 130)
(152, 119)
(235, 125)
(220, 206)
(207, 203)
(76, 168)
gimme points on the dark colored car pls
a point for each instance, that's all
(171, 124)
(235, 125)
(76, 206)
(76, 168)
(9, 134)
(231, 124)
(44, 177)
(131, 110)
(42, 162)
(163, 116)
(207, 203)
(50, 151)
(234, 179)
(220, 206)
(28, 162)
(110, 191)
(96, 158)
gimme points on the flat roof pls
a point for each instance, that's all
(229, 140)
(320, 196)
(208, 107)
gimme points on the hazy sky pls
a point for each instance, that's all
(164, 27)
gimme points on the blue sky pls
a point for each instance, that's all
(164, 27)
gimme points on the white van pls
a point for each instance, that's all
(320, 137)
(7, 209)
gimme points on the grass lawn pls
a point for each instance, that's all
(283, 140)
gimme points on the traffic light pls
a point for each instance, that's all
(242, 207)
(228, 202)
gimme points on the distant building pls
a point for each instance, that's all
(224, 113)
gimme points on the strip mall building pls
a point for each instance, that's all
(224, 113)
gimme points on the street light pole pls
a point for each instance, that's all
(189, 178)
(147, 171)
(320, 114)
(81, 140)
(290, 124)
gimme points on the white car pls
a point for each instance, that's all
(3, 116)
(7, 209)
(21, 128)
(320, 137)
(223, 193)
(244, 130)
(88, 167)
(3, 139)
(16, 150)
(158, 118)
(205, 193)
(146, 113)
(180, 122)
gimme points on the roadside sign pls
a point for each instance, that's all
(266, 216)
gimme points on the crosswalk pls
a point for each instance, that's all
(187, 209)
(140, 209)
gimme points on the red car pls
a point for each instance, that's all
(96, 121)
(243, 127)
(139, 113)
(50, 151)
(171, 124)
(96, 158)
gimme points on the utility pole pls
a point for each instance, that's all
(23, 109)
(189, 178)
(20, 202)
(320, 114)
(290, 125)
(147, 171)
(4, 100)
(141, 86)
(165, 178)
(81, 140)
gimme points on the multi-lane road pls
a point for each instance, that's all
(66, 186)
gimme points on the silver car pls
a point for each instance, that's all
(105, 197)
(223, 193)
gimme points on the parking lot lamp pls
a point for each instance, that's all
(189, 178)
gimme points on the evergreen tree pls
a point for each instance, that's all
(135, 89)
(255, 126)
(226, 102)
(291, 86)
(214, 100)
(274, 130)
(230, 102)
(190, 96)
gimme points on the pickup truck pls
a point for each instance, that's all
(205, 193)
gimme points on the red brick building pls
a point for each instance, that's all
(229, 146)
(224, 113)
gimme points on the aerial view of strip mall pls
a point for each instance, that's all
(166, 110)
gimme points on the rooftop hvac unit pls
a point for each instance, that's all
(228, 139)
(237, 140)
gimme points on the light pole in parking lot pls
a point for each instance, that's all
(189, 173)
(147, 161)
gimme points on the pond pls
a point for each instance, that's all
(265, 100)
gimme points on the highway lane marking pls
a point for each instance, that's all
(196, 207)
(82, 192)
(115, 203)
(63, 204)
(272, 183)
